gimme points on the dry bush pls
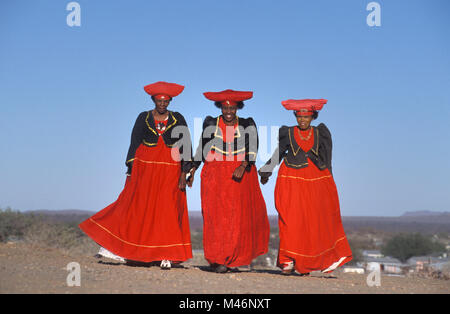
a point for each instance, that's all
(36, 230)
(14, 224)
(64, 236)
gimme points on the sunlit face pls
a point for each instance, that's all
(229, 113)
(161, 105)
(304, 122)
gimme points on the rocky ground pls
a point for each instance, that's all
(30, 269)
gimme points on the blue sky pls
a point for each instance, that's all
(69, 96)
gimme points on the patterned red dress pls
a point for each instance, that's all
(310, 226)
(235, 224)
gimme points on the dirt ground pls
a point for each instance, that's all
(27, 269)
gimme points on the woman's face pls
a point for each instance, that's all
(161, 105)
(229, 113)
(304, 122)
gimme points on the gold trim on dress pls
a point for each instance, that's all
(168, 127)
(221, 136)
(217, 128)
(149, 144)
(228, 153)
(316, 140)
(237, 129)
(332, 248)
(292, 146)
(296, 166)
(129, 160)
(148, 124)
(174, 122)
(139, 245)
(237, 134)
(158, 162)
(305, 179)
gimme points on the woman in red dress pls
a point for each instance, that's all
(312, 237)
(235, 223)
(149, 220)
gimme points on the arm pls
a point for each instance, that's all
(203, 146)
(280, 152)
(251, 149)
(205, 139)
(325, 146)
(184, 145)
(136, 139)
(251, 142)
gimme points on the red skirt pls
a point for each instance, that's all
(310, 226)
(149, 221)
(235, 224)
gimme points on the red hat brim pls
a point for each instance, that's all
(229, 94)
(164, 88)
(304, 104)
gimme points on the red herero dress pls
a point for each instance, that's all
(235, 224)
(310, 226)
(149, 220)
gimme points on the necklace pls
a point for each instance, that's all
(161, 125)
(305, 138)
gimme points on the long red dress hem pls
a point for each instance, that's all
(310, 226)
(149, 220)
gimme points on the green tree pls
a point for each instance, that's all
(406, 245)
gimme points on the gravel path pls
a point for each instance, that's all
(25, 268)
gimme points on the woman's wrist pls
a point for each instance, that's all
(244, 164)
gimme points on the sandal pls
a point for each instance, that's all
(165, 264)
(287, 268)
(221, 269)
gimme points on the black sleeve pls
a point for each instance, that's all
(205, 141)
(136, 139)
(325, 145)
(251, 142)
(278, 155)
(184, 143)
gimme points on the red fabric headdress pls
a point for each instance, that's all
(228, 97)
(304, 106)
(161, 90)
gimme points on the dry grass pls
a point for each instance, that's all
(29, 228)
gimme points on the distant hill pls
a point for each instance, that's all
(61, 212)
(424, 222)
(64, 215)
(419, 221)
(425, 213)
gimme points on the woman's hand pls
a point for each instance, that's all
(182, 181)
(264, 179)
(190, 179)
(239, 171)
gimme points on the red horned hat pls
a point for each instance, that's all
(228, 96)
(161, 90)
(304, 106)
